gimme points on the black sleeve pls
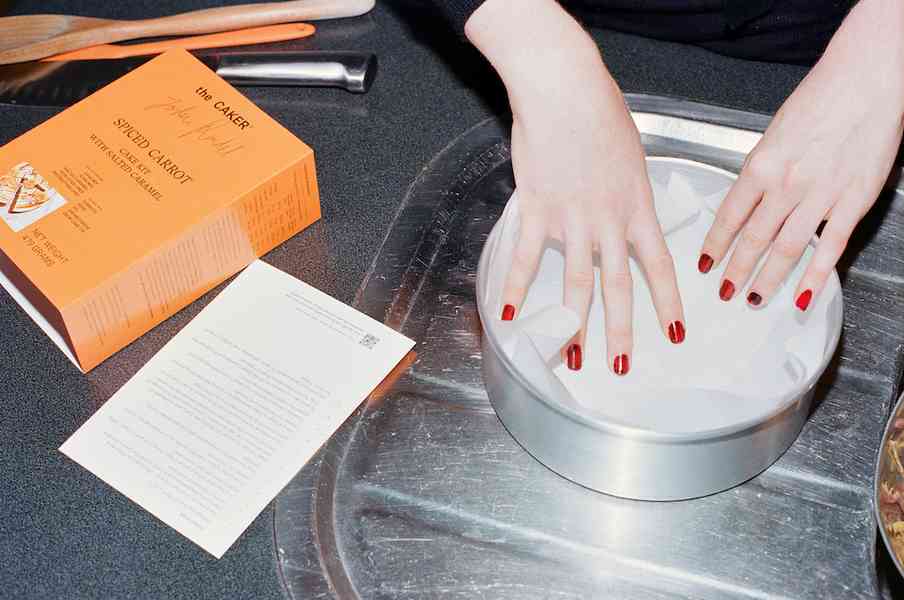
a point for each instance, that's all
(458, 11)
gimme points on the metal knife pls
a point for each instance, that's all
(64, 83)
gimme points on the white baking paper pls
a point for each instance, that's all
(737, 362)
(220, 420)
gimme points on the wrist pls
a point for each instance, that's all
(870, 42)
(541, 54)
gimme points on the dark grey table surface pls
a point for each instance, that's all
(64, 533)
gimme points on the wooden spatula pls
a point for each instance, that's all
(224, 39)
(30, 37)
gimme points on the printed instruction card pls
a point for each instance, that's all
(209, 431)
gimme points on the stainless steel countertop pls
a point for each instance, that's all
(424, 494)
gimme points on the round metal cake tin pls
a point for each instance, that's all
(632, 462)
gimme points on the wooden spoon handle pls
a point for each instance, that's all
(209, 20)
(223, 39)
(228, 18)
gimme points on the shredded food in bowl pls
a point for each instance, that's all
(891, 489)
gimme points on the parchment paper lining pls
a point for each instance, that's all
(736, 363)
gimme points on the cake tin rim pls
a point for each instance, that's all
(640, 433)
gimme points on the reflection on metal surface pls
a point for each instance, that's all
(426, 495)
(686, 131)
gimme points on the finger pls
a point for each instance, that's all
(657, 262)
(579, 279)
(753, 241)
(829, 248)
(734, 211)
(525, 260)
(615, 275)
(789, 246)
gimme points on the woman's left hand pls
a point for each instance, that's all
(825, 157)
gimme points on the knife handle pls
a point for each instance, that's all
(351, 71)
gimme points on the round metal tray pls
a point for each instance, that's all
(424, 494)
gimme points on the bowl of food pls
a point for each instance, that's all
(889, 489)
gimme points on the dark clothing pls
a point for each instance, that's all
(791, 31)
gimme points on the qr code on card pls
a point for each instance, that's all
(369, 341)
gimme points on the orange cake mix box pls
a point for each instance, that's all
(129, 205)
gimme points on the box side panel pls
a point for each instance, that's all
(156, 287)
(276, 211)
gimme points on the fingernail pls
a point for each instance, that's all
(508, 312)
(621, 364)
(803, 301)
(676, 332)
(727, 290)
(754, 299)
(574, 357)
(705, 263)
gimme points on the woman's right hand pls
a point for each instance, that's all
(580, 173)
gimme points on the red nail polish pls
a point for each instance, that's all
(574, 357)
(621, 364)
(754, 299)
(727, 290)
(803, 301)
(508, 312)
(705, 263)
(676, 332)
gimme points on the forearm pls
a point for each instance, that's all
(539, 51)
(871, 39)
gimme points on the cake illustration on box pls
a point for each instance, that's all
(23, 191)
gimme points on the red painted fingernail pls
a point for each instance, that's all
(803, 301)
(676, 332)
(727, 290)
(705, 263)
(574, 357)
(621, 364)
(754, 299)
(508, 312)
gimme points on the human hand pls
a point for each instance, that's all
(825, 156)
(580, 172)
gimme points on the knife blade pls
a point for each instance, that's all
(65, 83)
